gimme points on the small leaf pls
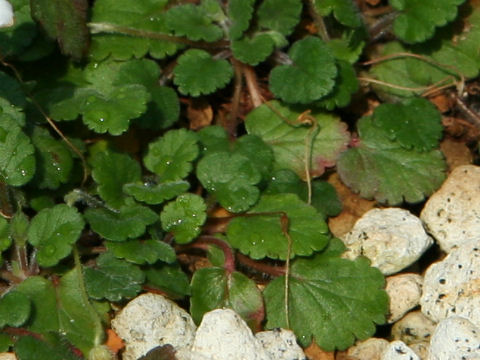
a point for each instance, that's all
(169, 278)
(14, 309)
(171, 155)
(261, 235)
(183, 217)
(310, 76)
(142, 251)
(326, 303)
(6, 107)
(198, 73)
(225, 290)
(129, 222)
(213, 138)
(345, 11)
(53, 231)
(253, 50)
(113, 279)
(156, 194)
(15, 39)
(232, 178)
(279, 15)
(240, 12)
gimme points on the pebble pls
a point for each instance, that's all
(413, 328)
(371, 349)
(455, 338)
(452, 214)
(398, 350)
(391, 238)
(151, 320)
(451, 286)
(281, 344)
(404, 291)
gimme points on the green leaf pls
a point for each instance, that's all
(232, 178)
(17, 160)
(65, 21)
(113, 279)
(7, 109)
(183, 217)
(111, 171)
(11, 90)
(142, 251)
(5, 342)
(214, 138)
(53, 231)
(15, 39)
(288, 141)
(309, 77)
(240, 13)
(156, 194)
(379, 167)
(163, 111)
(5, 239)
(253, 50)
(349, 47)
(171, 155)
(129, 221)
(225, 290)
(261, 235)
(415, 124)
(326, 303)
(418, 19)
(169, 278)
(54, 160)
(198, 73)
(53, 348)
(15, 309)
(345, 11)
(280, 15)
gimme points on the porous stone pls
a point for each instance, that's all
(223, 335)
(281, 344)
(151, 320)
(452, 214)
(404, 291)
(455, 338)
(398, 350)
(391, 238)
(421, 349)
(413, 328)
(371, 349)
(451, 286)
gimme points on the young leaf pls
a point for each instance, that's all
(111, 171)
(169, 278)
(326, 303)
(279, 15)
(113, 279)
(240, 12)
(232, 178)
(345, 11)
(129, 222)
(142, 251)
(198, 73)
(225, 290)
(253, 50)
(171, 155)
(418, 19)
(15, 309)
(53, 231)
(14, 39)
(156, 194)
(378, 167)
(289, 142)
(309, 77)
(183, 217)
(261, 235)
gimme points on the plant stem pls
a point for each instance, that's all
(252, 86)
(6, 209)
(275, 271)
(231, 125)
(229, 264)
(318, 20)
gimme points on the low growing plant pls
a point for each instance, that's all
(105, 185)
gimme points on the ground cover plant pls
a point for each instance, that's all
(139, 136)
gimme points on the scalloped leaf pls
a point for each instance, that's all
(163, 111)
(142, 251)
(311, 75)
(15, 309)
(156, 194)
(213, 138)
(53, 231)
(414, 124)
(184, 216)
(11, 90)
(419, 19)
(261, 236)
(43, 348)
(171, 155)
(345, 11)
(377, 167)
(326, 303)
(111, 171)
(198, 73)
(231, 178)
(169, 278)
(113, 279)
(288, 142)
(7, 109)
(15, 39)
(240, 13)
(129, 222)
(280, 15)
(231, 290)
(349, 47)
(253, 50)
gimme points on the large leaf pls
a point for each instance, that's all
(15, 309)
(261, 234)
(331, 300)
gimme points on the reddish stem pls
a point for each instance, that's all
(229, 264)
(261, 267)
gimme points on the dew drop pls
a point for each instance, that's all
(23, 172)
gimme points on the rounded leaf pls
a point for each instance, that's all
(142, 251)
(253, 50)
(156, 194)
(15, 309)
(279, 15)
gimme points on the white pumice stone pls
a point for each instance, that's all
(281, 344)
(455, 338)
(451, 286)
(452, 214)
(6, 14)
(413, 328)
(151, 320)
(371, 349)
(398, 350)
(404, 291)
(223, 335)
(421, 349)
(391, 238)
